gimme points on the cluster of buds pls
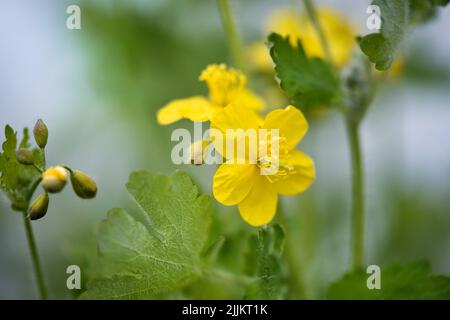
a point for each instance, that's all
(54, 179)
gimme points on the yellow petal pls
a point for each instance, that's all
(232, 182)
(235, 117)
(259, 57)
(247, 99)
(54, 179)
(232, 117)
(341, 35)
(285, 22)
(195, 109)
(302, 178)
(291, 124)
(260, 205)
(339, 32)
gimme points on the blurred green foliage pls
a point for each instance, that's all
(408, 281)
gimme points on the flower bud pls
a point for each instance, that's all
(54, 179)
(40, 133)
(39, 207)
(83, 185)
(24, 156)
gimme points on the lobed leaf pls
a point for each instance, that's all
(308, 82)
(16, 179)
(160, 253)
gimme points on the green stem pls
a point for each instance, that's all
(44, 165)
(37, 168)
(35, 257)
(32, 244)
(357, 242)
(68, 169)
(229, 26)
(312, 14)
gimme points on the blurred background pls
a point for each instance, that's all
(98, 90)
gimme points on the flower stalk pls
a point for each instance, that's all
(312, 14)
(229, 26)
(357, 227)
(40, 282)
(35, 257)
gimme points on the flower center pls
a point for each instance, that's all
(223, 83)
(274, 162)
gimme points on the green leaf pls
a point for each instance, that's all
(308, 82)
(264, 262)
(25, 142)
(408, 281)
(382, 47)
(397, 16)
(8, 163)
(213, 251)
(16, 179)
(160, 253)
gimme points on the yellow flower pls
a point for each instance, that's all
(243, 184)
(226, 86)
(286, 22)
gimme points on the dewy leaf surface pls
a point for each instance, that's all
(163, 250)
(308, 82)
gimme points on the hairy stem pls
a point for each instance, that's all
(312, 14)
(40, 283)
(229, 26)
(35, 257)
(357, 242)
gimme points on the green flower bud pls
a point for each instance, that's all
(54, 179)
(24, 156)
(83, 185)
(40, 133)
(39, 207)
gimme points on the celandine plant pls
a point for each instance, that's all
(22, 170)
(169, 251)
(171, 248)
